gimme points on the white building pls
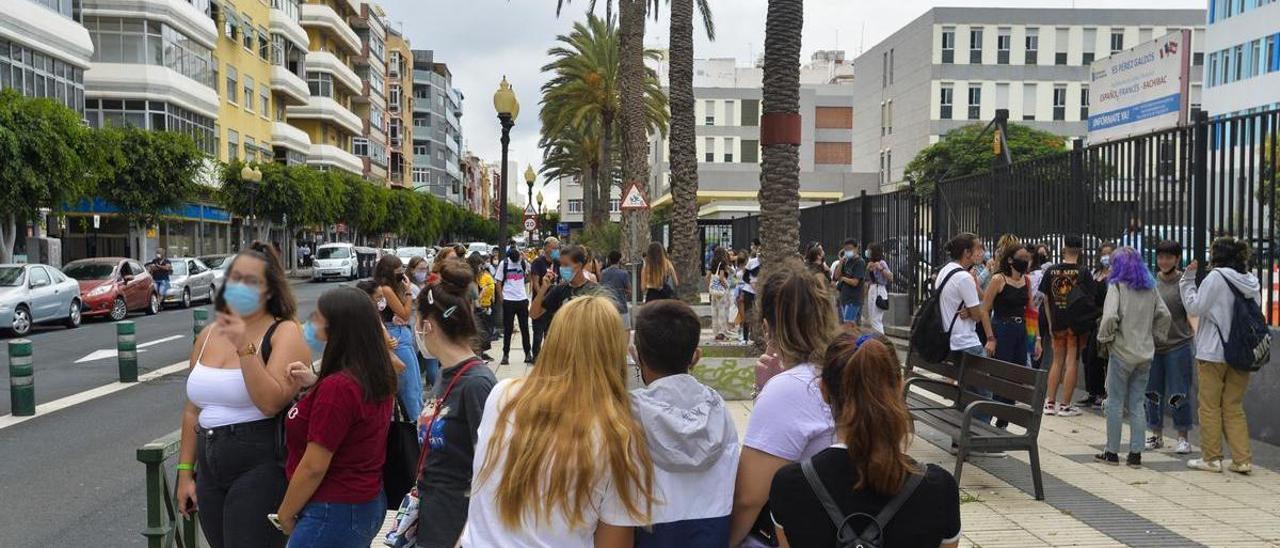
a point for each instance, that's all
(44, 51)
(1242, 61)
(955, 66)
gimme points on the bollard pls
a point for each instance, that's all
(127, 350)
(201, 316)
(22, 380)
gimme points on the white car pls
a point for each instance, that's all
(479, 247)
(335, 261)
(36, 293)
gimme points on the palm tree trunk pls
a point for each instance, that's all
(605, 170)
(685, 249)
(589, 180)
(780, 133)
(635, 166)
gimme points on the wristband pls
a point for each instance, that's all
(186, 466)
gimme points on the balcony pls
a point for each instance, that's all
(285, 26)
(180, 14)
(60, 36)
(328, 110)
(323, 61)
(320, 15)
(332, 156)
(158, 83)
(290, 85)
(292, 138)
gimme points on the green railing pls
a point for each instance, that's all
(165, 527)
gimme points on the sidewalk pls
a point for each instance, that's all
(1162, 504)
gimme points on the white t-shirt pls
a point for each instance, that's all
(752, 264)
(960, 290)
(484, 524)
(512, 276)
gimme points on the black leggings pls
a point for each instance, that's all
(748, 302)
(238, 482)
(510, 311)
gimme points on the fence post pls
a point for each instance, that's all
(1200, 186)
(865, 231)
(201, 319)
(1080, 188)
(22, 380)
(127, 350)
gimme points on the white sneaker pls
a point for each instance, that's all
(1241, 468)
(1068, 411)
(1050, 408)
(1184, 446)
(1207, 466)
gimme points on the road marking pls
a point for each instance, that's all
(92, 394)
(111, 352)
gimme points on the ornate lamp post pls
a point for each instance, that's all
(541, 218)
(252, 176)
(530, 177)
(504, 101)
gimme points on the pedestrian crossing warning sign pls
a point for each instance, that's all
(632, 199)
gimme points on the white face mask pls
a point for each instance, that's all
(382, 304)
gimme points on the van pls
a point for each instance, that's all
(335, 261)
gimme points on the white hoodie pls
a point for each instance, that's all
(694, 446)
(1212, 303)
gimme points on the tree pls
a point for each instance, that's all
(281, 193)
(780, 134)
(635, 157)
(967, 150)
(147, 173)
(47, 159)
(685, 251)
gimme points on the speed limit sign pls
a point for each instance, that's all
(530, 224)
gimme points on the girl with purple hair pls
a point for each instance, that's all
(1134, 317)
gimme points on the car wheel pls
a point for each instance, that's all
(118, 309)
(73, 315)
(21, 321)
(186, 298)
(153, 304)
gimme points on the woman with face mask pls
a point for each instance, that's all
(393, 288)
(239, 383)
(419, 271)
(1095, 358)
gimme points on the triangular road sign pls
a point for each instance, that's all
(632, 199)
(529, 211)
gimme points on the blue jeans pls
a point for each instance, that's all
(1170, 384)
(409, 383)
(1126, 385)
(849, 312)
(162, 287)
(338, 525)
(979, 351)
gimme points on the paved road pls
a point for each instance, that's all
(71, 478)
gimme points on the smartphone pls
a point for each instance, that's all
(219, 300)
(275, 520)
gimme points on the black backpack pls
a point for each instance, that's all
(928, 338)
(1248, 347)
(872, 536)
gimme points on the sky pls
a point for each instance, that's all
(483, 40)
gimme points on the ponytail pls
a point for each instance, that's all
(445, 301)
(863, 381)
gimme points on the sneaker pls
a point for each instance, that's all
(486, 357)
(1050, 408)
(1107, 457)
(505, 360)
(1207, 466)
(1090, 401)
(1134, 460)
(1183, 447)
(1155, 442)
(1068, 411)
(528, 360)
(1241, 468)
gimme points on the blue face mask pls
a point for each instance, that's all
(309, 333)
(566, 273)
(555, 254)
(848, 254)
(1106, 260)
(241, 298)
(986, 255)
(419, 277)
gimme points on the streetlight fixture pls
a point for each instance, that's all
(530, 177)
(253, 176)
(541, 217)
(504, 101)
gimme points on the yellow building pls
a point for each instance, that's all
(399, 107)
(327, 117)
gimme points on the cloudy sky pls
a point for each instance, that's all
(481, 40)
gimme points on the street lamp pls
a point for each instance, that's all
(530, 177)
(504, 101)
(541, 219)
(253, 176)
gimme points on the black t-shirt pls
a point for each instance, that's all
(446, 480)
(156, 267)
(539, 268)
(929, 517)
(560, 294)
(855, 268)
(1067, 307)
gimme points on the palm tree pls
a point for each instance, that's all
(635, 157)
(780, 133)
(685, 249)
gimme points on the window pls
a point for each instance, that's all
(1004, 43)
(1211, 73)
(1060, 45)
(709, 149)
(320, 83)
(1032, 46)
(709, 115)
(420, 150)
(1090, 42)
(1084, 103)
(393, 64)
(264, 106)
(891, 66)
(889, 118)
(575, 205)
(975, 46)
(421, 176)
(884, 70)
(394, 97)
(751, 112)
(139, 41)
(1255, 58)
(1237, 67)
(1272, 61)
(264, 44)
(975, 101)
(615, 205)
(233, 85)
(1144, 35)
(248, 93)
(360, 146)
(1117, 41)
(217, 80)
(1002, 95)
(231, 26)
(439, 155)
(377, 117)
(250, 149)
(246, 33)
(1059, 103)
(289, 7)
(1029, 101)
(233, 145)
(730, 113)
(948, 45)
(728, 151)
(217, 141)
(750, 151)
(945, 100)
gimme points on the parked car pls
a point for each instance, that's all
(479, 247)
(190, 280)
(113, 287)
(219, 264)
(366, 259)
(36, 293)
(335, 261)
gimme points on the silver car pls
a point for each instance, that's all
(36, 293)
(219, 264)
(191, 280)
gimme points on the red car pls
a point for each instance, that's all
(113, 287)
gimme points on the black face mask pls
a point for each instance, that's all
(1020, 265)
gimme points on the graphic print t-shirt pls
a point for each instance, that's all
(1057, 284)
(512, 275)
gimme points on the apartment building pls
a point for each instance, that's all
(327, 116)
(44, 50)
(955, 66)
(399, 108)
(371, 104)
(437, 129)
(1242, 57)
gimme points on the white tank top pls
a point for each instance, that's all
(220, 394)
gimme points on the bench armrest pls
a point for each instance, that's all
(977, 406)
(948, 389)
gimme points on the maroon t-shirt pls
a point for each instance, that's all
(335, 415)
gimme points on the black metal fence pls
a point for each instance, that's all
(1192, 183)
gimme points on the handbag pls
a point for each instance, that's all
(882, 297)
(398, 472)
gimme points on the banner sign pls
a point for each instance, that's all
(1141, 89)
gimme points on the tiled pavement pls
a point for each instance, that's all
(1162, 504)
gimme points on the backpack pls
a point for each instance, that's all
(928, 338)
(873, 535)
(1248, 347)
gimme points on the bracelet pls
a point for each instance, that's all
(186, 466)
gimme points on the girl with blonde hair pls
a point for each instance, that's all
(658, 274)
(560, 460)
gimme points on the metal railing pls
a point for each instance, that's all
(165, 527)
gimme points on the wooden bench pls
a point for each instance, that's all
(942, 380)
(1024, 386)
